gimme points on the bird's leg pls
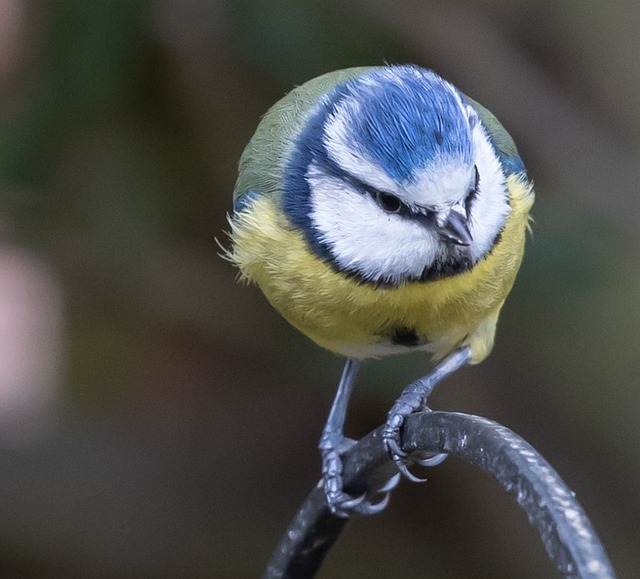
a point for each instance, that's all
(414, 398)
(333, 444)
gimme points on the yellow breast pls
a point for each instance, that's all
(357, 319)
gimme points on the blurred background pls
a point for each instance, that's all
(158, 420)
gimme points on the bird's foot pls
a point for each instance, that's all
(414, 399)
(342, 504)
(411, 400)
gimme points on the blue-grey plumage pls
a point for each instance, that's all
(381, 211)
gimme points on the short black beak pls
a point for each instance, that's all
(455, 229)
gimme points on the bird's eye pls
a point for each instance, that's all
(389, 203)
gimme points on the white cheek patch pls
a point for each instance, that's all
(490, 208)
(378, 245)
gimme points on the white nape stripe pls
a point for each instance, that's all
(343, 151)
(378, 245)
(467, 111)
(490, 208)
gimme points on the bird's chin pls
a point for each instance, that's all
(457, 262)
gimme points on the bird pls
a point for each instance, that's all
(382, 211)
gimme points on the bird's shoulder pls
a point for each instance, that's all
(502, 141)
(261, 163)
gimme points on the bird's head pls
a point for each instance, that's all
(394, 179)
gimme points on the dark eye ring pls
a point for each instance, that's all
(388, 202)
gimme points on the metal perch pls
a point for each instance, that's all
(551, 507)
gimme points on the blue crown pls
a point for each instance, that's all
(406, 117)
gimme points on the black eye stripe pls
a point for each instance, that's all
(388, 202)
(391, 203)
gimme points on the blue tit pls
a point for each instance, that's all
(382, 211)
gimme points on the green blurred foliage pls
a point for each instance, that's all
(189, 410)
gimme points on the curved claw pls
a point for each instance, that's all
(344, 506)
(432, 460)
(369, 508)
(400, 457)
(391, 484)
(402, 467)
(393, 448)
(348, 504)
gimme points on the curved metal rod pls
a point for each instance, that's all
(551, 507)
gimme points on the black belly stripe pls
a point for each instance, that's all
(404, 337)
